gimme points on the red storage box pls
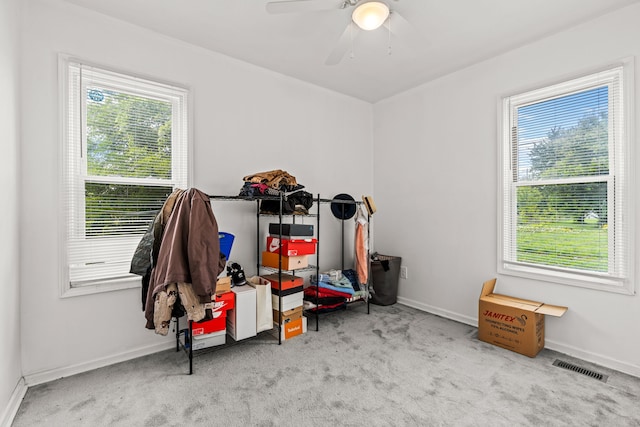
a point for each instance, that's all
(223, 301)
(214, 325)
(288, 281)
(291, 247)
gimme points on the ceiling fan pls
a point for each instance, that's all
(367, 15)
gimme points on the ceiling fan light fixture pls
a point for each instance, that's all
(370, 15)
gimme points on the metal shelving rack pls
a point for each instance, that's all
(187, 343)
(318, 201)
(368, 284)
(280, 217)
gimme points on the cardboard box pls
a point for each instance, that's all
(286, 292)
(288, 281)
(291, 247)
(224, 301)
(209, 340)
(223, 285)
(241, 320)
(291, 230)
(270, 259)
(217, 324)
(513, 323)
(289, 302)
(220, 304)
(287, 316)
(292, 329)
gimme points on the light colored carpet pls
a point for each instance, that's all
(394, 367)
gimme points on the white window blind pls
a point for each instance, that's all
(565, 184)
(125, 151)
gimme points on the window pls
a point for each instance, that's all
(125, 150)
(565, 185)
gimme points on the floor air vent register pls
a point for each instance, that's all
(575, 368)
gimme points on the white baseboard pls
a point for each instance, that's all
(598, 359)
(41, 377)
(595, 358)
(439, 312)
(14, 404)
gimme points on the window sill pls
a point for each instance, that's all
(600, 283)
(100, 287)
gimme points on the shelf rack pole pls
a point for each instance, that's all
(280, 272)
(190, 332)
(368, 260)
(317, 263)
(258, 237)
(342, 236)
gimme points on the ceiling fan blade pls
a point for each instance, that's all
(293, 6)
(405, 32)
(343, 45)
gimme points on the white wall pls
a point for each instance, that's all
(245, 120)
(435, 170)
(10, 353)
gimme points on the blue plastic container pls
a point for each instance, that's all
(226, 242)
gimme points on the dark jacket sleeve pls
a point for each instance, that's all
(141, 261)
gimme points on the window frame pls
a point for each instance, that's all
(620, 183)
(73, 140)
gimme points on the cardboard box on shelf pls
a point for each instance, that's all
(288, 281)
(289, 302)
(292, 329)
(224, 301)
(241, 320)
(286, 292)
(209, 340)
(291, 247)
(287, 316)
(219, 306)
(291, 230)
(223, 285)
(270, 259)
(217, 324)
(513, 323)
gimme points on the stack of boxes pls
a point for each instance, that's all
(213, 332)
(291, 252)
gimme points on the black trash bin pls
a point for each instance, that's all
(385, 273)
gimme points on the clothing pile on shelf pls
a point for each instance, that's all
(332, 291)
(179, 260)
(275, 183)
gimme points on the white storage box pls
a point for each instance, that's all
(209, 340)
(289, 302)
(241, 319)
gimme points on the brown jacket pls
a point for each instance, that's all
(190, 250)
(274, 179)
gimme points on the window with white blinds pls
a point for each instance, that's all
(565, 185)
(125, 150)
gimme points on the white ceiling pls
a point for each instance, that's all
(448, 35)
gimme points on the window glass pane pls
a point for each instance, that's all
(120, 210)
(127, 135)
(564, 137)
(563, 225)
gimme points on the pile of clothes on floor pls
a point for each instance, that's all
(270, 185)
(333, 290)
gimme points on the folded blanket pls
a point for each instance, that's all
(327, 308)
(323, 292)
